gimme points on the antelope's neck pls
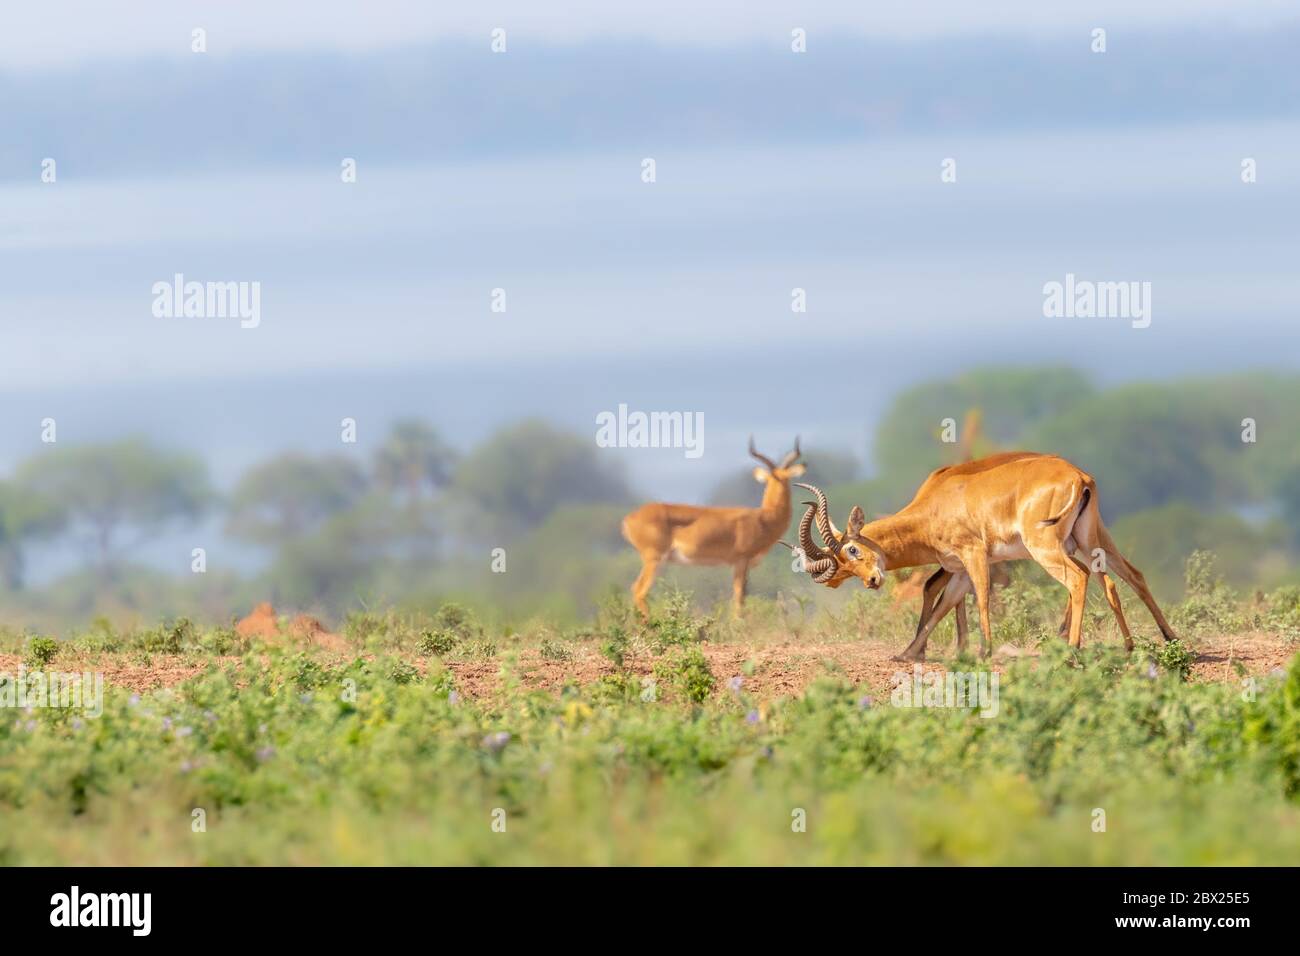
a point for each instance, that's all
(904, 539)
(776, 503)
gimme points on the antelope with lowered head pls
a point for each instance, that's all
(691, 534)
(968, 517)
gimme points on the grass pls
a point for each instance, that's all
(289, 756)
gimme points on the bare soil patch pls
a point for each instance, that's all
(775, 669)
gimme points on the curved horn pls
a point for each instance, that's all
(771, 465)
(818, 568)
(820, 575)
(810, 549)
(825, 526)
(793, 456)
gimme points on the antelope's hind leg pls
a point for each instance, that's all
(1051, 555)
(645, 581)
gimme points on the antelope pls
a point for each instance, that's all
(920, 582)
(690, 534)
(968, 517)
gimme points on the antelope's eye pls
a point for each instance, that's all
(854, 552)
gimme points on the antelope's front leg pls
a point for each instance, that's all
(977, 566)
(739, 579)
(954, 593)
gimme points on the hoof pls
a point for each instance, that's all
(909, 658)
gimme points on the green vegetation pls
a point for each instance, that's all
(285, 756)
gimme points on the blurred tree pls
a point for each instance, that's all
(524, 472)
(1151, 444)
(335, 564)
(102, 489)
(1289, 495)
(590, 559)
(908, 442)
(1159, 541)
(825, 468)
(25, 516)
(414, 459)
(291, 495)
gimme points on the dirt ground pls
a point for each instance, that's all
(787, 668)
(776, 668)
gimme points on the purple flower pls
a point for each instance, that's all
(167, 723)
(77, 723)
(1151, 671)
(135, 699)
(735, 684)
(751, 717)
(453, 697)
(265, 753)
(865, 702)
(496, 742)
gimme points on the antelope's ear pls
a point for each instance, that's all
(856, 520)
(760, 475)
(796, 470)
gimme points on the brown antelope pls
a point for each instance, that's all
(920, 582)
(690, 534)
(965, 518)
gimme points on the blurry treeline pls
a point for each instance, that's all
(415, 521)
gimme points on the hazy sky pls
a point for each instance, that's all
(523, 172)
(71, 31)
(775, 171)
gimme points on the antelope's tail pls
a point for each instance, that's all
(1079, 499)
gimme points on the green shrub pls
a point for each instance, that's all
(1282, 613)
(398, 671)
(479, 649)
(554, 650)
(222, 641)
(1173, 656)
(1210, 606)
(439, 642)
(166, 638)
(459, 620)
(675, 624)
(41, 651)
(1272, 728)
(688, 674)
(614, 622)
